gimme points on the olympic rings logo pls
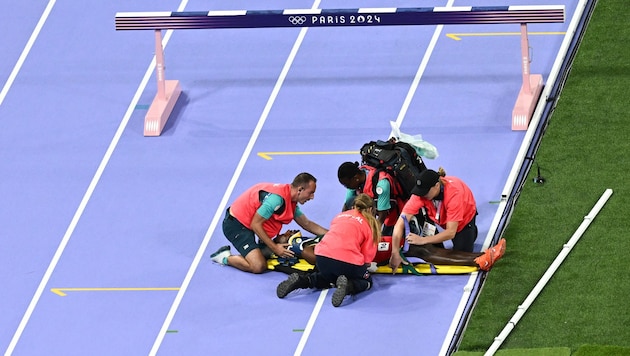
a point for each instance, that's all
(297, 20)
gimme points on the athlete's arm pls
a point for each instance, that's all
(309, 225)
(399, 230)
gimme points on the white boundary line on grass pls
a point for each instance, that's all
(566, 249)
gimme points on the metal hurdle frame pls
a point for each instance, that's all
(168, 91)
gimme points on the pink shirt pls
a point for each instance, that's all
(458, 204)
(349, 239)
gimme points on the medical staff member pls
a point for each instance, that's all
(448, 203)
(343, 255)
(261, 211)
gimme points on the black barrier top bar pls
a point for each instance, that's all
(461, 15)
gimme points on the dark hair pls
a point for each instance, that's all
(303, 179)
(348, 170)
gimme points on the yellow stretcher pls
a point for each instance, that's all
(418, 268)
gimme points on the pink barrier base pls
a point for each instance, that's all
(526, 103)
(161, 108)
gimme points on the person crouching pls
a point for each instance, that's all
(343, 255)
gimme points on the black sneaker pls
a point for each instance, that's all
(292, 283)
(341, 291)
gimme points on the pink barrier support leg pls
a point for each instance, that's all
(530, 90)
(168, 92)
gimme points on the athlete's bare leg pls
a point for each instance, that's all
(442, 256)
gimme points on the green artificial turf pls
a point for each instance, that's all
(583, 152)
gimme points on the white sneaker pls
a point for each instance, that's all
(221, 255)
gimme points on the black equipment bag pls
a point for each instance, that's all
(399, 159)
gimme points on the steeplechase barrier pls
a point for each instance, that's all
(169, 90)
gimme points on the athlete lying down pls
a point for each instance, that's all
(304, 248)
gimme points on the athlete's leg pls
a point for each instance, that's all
(442, 256)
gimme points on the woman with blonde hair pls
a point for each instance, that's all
(343, 255)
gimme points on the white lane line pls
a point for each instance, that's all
(224, 201)
(311, 322)
(82, 205)
(401, 116)
(423, 65)
(26, 50)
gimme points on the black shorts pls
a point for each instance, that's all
(242, 238)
